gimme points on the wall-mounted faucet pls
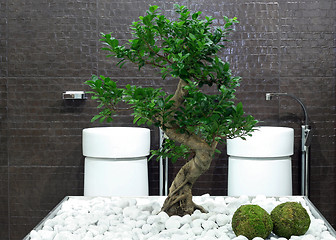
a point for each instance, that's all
(306, 138)
(270, 95)
(74, 95)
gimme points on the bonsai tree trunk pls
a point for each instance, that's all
(179, 200)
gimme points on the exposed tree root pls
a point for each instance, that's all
(179, 200)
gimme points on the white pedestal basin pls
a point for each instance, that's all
(261, 164)
(116, 161)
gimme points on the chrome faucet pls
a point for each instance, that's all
(306, 138)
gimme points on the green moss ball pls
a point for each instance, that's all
(251, 221)
(289, 219)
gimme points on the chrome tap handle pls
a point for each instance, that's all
(308, 137)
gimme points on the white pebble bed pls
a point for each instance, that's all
(103, 218)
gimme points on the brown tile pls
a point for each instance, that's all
(58, 39)
(3, 39)
(34, 191)
(4, 214)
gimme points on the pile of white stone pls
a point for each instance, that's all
(121, 218)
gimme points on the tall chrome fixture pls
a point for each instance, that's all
(306, 137)
(163, 169)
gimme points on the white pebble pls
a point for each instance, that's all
(308, 237)
(207, 225)
(156, 208)
(81, 231)
(143, 215)
(46, 235)
(140, 223)
(146, 207)
(208, 238)
(163, 217)
(196, 214)
(88, 235)
(224, 237)
(117, 210)
(210, 233)
(326, 236)
(58, 228)
(153, 218)
(240, 238)
(204, 216)
(47, 228)
(259, 198)
(222, 219)
(137, 232)
(213, 217)
(34, 235)
(233, 206)
(131, 212)
(50, 222)
(65, 235)
(197, 222)
(159, 226)
(197, 230)
(204, 197)
(103, 221)
(122, 203)
(146, 228)
(178, 237)
(132, 201)
(186, 219)
(174, 222)
(185, 227)
(71, 227)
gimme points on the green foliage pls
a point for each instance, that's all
(185, 48)
(171, 150)
(107, 94)
(148, 104)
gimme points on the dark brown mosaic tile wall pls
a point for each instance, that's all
(47, 47)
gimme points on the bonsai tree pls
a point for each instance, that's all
(195, 122)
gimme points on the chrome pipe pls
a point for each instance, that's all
(166, 178)
(305, 131)
(161, 176)
(305, 143)
(163, 170)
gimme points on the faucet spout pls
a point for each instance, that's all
(270, 95)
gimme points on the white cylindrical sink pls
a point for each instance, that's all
(261, 164)
(116, 161)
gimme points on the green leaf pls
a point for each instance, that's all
(95, 118)
(226, 67)
(192, 36)
(136, 118)
(196, 15)
(153, 8)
